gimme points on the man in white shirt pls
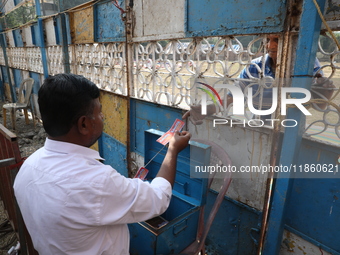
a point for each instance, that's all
(71, 202)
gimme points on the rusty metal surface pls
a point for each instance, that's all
(81, 25)
(114, 108)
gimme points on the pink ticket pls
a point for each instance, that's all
(141, 173)
(177, 126)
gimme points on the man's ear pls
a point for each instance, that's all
(83, 124)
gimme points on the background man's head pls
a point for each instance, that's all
(272, 46)
(63, 99)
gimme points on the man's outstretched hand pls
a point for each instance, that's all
(179, 141)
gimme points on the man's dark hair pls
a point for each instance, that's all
(63, 99)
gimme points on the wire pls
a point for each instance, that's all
(155, 155)
(115, 3)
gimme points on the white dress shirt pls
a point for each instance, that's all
(73, 204)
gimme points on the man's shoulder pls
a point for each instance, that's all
(34, 155)
(257, 60)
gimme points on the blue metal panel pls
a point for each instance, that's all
(219, 17)
(63, 37)
(35, 35)
(6, 70)
(16, 2)
(36, 87)
(108, 23)
(38, 7)
(17, 38)
(42, 47)
(310, 25)
(56, 25)
(67, 4)
(145, 115)
(235, 228)
(313, 210)
(4, 74)
(17, 77)
(2, 91)
(3, 41)
(171, 239)
(68, 30)
(183, 211)
(138, 241)
(192, 190)
(114, 153)
(59, 28)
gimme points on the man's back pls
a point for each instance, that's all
(73, 204)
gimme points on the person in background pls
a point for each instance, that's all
(325, 88)
(72, 203)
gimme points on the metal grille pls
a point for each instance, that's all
(103, 64)
(55, 60)
(166, 71)
(25, 58)
(326, 121)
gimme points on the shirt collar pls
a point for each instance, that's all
(69, 148)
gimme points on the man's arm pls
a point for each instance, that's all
(177, 143)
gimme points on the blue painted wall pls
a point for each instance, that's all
(67, 4)
(114, 153)
(36, 35)
(145, 115)
(16, 2)
(17, 77)
(36, 86)
(108, 25)
(4, 74)
(235, 230)
(59, 31)
(17, 38)
(219, 17)
(314, 205)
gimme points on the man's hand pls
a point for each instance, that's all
(179, 141)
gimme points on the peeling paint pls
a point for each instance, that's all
(114, 109)
(302, 250)
(81, 25)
